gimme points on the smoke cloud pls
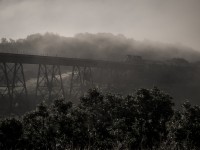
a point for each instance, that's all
(104, 46)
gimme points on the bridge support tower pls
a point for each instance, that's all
(49, 83)
(81, 81)
(12, 82)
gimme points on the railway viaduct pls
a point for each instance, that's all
(49, 77)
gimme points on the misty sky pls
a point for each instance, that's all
(169, 21)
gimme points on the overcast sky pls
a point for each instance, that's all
(168, 21)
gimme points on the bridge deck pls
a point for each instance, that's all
(63, 61)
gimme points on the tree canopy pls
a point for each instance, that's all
(143, 120)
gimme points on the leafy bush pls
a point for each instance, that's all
(144, 120)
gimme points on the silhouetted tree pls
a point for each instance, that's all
(184, 128)
(11, 132)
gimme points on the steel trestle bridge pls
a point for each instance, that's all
(49, 77)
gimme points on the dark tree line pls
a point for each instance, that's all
(144, 120)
